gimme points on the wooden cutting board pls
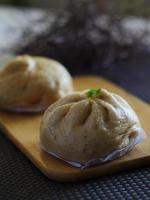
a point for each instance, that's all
(23, 131)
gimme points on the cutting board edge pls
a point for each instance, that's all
(137, 162)
(65, 177)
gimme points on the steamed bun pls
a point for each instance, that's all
(30, 83)
(83, 126)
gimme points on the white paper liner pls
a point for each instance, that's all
(106, 158)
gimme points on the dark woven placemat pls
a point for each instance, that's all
(19, 179)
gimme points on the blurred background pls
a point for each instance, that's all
(110, 38)
(34, 3)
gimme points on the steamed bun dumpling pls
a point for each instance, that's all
(88, 125)
(30, 83)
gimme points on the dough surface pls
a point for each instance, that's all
(78, 129)
(32, 83)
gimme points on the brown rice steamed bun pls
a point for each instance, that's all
(31, 83)
(84, 126)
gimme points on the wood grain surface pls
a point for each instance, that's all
(23, 131)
